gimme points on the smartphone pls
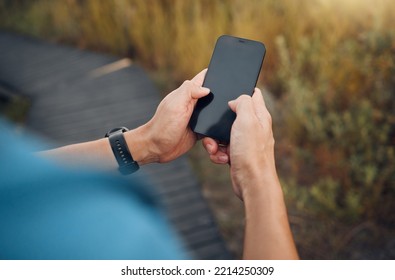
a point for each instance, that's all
(233, 70)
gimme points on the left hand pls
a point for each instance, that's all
(167, 135)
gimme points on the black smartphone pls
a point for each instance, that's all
(233, 70)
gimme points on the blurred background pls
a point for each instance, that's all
(329, 80)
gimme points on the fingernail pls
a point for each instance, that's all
(206, 89)
(223, 158)
(210, 148)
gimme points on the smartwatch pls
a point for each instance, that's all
(127, 165)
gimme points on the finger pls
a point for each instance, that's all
(220, 158)
(260, 107)
(199, 78)
(242, 103)
(257, 98)
(259, 104)
(218, 154)
(190, 91)
(198, 91)
(224, 149)
(210, 145)
(232, 105)
(246, 119)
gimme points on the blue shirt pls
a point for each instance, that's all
(48, 211)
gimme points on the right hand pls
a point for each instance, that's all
(251, 150)
(267, 234)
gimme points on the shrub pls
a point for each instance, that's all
(339, 116)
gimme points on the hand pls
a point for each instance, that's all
(267, 233)
(167, 135)
(164, 138)
(251, 149)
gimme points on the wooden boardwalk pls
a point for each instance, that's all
(78, 95)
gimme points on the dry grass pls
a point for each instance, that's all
(330, 66)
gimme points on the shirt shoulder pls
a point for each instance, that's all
(48, 211)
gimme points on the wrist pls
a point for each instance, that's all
(262, 188)
(257, 178)
(140, 145)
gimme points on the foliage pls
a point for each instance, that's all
(343, 132)
(330, 66)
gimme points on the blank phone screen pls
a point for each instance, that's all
(233, 70)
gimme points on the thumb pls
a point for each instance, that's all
(199, 78)
(232, 105)
(242, 101)
(199, 92)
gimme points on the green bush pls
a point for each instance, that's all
(340, 119)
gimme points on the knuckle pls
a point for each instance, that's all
(187, 84)
(244, 97)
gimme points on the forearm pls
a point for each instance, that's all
(95, 153)
(164, 138)
(98, 153)
(267, 230)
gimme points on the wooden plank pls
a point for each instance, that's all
(70, 104)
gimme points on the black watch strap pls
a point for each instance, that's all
(127, 165)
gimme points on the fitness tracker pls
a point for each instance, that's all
(127, 165)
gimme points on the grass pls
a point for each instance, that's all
(330, 68)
